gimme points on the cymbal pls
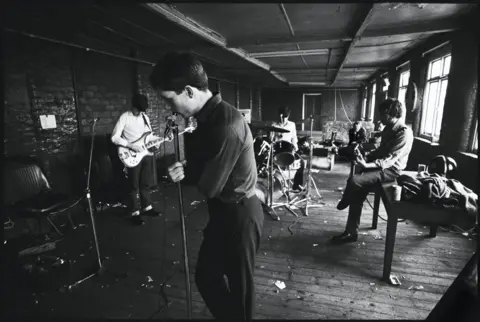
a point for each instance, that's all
(303, 121)
(267, 126)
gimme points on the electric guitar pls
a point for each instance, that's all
(147, 141)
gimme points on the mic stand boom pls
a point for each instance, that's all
(182, 222)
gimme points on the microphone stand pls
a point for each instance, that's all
(174, 128)
(101, 268)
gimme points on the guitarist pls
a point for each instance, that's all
(130, 126)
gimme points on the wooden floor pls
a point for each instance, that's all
(322, 281)
(325, 281)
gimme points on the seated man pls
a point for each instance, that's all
(382, 165)
(291, 137)
(375, 139)
(357, 136)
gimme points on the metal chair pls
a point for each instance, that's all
(28, 193)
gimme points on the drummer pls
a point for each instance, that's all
(291, 137)
(284, 123)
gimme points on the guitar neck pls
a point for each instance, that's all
(160, 141)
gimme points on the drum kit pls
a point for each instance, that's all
(275, 161)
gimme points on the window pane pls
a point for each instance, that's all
(430, 110)
(436, 68)
(446, 65)
(401, 95)
(404, 78)
(475, 140)
(440, 104)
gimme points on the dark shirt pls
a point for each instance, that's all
(358, 137)
(224, 156)
(395, 146)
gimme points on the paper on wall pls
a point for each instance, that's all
(48, 121)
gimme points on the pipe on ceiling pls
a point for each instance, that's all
(67, 44)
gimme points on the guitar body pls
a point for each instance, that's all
(129, 157)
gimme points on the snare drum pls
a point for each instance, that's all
(283, 153)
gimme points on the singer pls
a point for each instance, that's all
(130, 126)
(227, 177)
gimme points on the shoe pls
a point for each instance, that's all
(342, 205)
(151, 213)
(137, 221)
(345, 238)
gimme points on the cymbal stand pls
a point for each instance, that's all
(310, 180)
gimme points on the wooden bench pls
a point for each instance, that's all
(423, 213)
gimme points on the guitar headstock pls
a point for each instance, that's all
(191, 125)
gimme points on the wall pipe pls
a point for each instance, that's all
(64, 43)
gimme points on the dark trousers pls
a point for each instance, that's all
(298, 179)
(230, 244)
(356, 191)
(140, 179)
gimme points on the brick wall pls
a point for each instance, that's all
(40, 81)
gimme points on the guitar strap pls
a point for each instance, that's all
(145, 120)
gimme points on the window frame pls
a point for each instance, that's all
(403, 87)
(373, 93)
(471, 147)
(441, 55)
(364, 103)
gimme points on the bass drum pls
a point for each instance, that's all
(279, 186)
(283, 153)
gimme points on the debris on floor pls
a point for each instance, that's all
(394, 280)
(281, 285)
(38, 249)
(196, 203)
(377, 237)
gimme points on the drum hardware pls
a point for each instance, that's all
(310, 180)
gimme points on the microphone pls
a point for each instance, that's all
(95, 120)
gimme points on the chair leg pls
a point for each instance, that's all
(389, 245)
(376, 208)
(433, 231)
(54, 226)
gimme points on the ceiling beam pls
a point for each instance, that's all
(289, 53)
(209, 35)
(358, 34)
(290, 28)
(308, 70)
(430, 28)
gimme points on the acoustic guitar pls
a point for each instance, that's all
(147, 141)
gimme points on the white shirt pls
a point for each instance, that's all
(289, 136)
(130, 128)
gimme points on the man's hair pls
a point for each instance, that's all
(140, 102)
(391, 107)
(285, 111)
(175, 70)
(357, 122)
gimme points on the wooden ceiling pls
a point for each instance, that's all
(290, 44)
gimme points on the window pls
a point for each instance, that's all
(386, 84)
(364, 103)
(434, 99)
(372, 101)
(402, 86)
(474, 146)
